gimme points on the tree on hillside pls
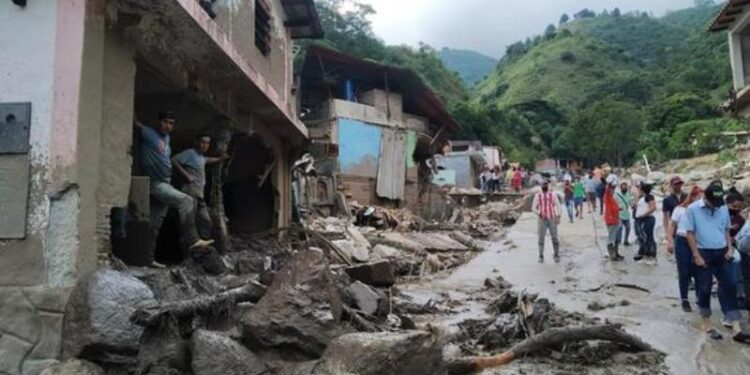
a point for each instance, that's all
(605, 13)
(606, 131)
(585, 13)
(550, 31)
(564, 19)
(616, 12)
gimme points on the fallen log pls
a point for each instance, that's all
(152, 315)
(550, 338)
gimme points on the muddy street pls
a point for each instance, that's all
(645, 303)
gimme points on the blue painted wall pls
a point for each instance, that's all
(359, 148)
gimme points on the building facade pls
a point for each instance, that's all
(75, 75)
(372, 128)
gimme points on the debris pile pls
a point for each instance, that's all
(328, 301)
(523, 325)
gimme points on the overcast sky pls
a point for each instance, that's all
(487, 26)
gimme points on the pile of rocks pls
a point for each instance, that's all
(310, 318)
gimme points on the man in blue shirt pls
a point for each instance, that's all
(155, 153)
(708, 224)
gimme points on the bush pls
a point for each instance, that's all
(568, 56)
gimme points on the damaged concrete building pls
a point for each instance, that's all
(372, 128)
(75, 74)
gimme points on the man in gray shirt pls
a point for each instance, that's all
(191, 164)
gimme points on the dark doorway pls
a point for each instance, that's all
(248, 192)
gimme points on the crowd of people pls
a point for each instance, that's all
(705, 231)
(504, 178)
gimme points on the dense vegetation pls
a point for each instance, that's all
(595, 87)
(471, 66)
(608, 87)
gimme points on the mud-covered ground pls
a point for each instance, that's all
(641, 298)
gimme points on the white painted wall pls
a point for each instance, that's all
(27, 37)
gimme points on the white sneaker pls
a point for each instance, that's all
(201, 243)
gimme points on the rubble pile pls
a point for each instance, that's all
(515, 316)
(326, 301)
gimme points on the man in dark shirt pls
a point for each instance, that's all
(155, 160)
(673, 200)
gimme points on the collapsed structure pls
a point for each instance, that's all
(76, 75)
(373, 127)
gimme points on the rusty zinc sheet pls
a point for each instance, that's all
(392, 165)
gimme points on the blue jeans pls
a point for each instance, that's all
(721, 268)
(685, 266)
(647, 244)
(569, 205)
(624, 227)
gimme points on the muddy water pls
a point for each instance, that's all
(655, 316)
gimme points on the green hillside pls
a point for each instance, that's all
(578, 81)
(471, 66)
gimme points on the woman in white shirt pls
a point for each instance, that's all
(645, 221)
(677, 244)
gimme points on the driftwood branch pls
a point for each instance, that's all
(550, 338)
(151, 315)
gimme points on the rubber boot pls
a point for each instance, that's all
(618, 257)
(611, 252)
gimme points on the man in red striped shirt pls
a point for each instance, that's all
(547, 207)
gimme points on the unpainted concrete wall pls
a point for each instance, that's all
(237, 19)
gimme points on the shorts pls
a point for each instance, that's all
(578, 201)
(591, 197)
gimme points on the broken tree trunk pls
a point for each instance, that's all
(152, 315)
(550, 338)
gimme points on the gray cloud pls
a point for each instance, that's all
(487, 26)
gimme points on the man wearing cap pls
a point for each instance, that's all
(671, 202)
(707, 224)
(155, 161)
(547, 207)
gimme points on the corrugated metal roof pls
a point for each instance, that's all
(415, 92)
(728, 15)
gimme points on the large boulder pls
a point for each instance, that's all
(364, 297)
(384, 353)
(301, 309)
(97, 316)
(73, 367)
(214, 353)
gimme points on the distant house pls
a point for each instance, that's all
(372, 127)
(734, 17)
(461, 165)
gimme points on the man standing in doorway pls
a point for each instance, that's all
(674, 199)
(191, 164)
(547, 207)
(155, 153)
(707, 224)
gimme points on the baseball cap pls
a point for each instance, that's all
(715, 194)
(676, 180)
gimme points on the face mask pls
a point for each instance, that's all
(734, 212)
(545, 189)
